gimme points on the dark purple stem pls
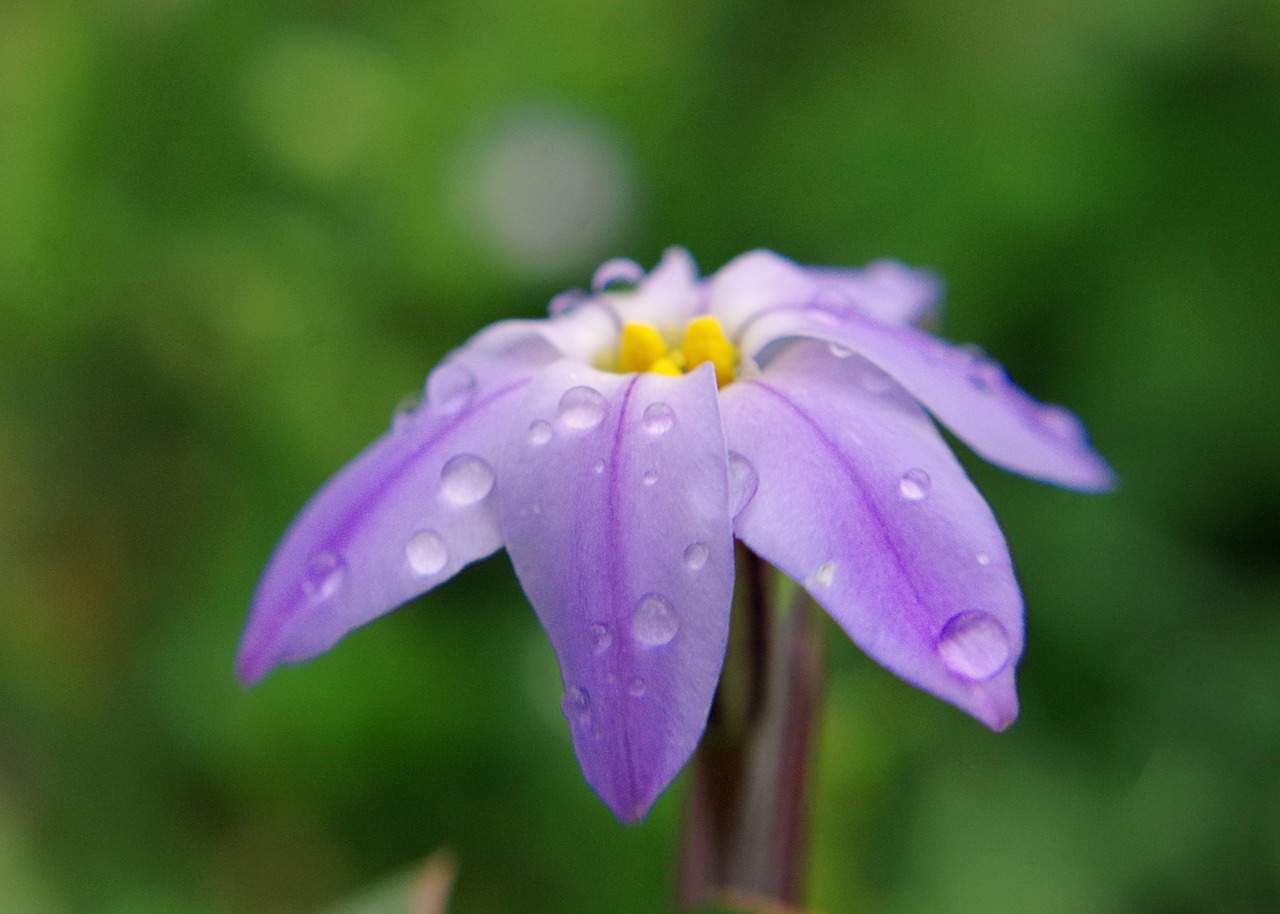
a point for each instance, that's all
(745, 825)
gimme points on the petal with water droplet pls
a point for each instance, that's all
(379, 517)
(968, 393)
(831, 511)
(607, 553)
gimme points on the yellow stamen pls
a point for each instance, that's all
(666, 365)
(642, 347)
(704, 341)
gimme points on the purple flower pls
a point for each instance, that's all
(617, 448)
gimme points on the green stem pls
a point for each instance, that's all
(745, 825)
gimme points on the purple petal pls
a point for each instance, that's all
(758, 282)
(405, 515)
(858, 498)
(966, 391)
(669, 296)
(615, 517)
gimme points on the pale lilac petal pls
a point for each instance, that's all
(967, 392)
(857, 496)
(615, 518)
(668, 297)
(581, 332)
(405, 515)
(759, 282)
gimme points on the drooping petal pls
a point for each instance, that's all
(405, 515)
(857, 496)
(967, 392)
(759, 282)
(614, 508)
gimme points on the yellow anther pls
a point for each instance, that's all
(642, 348)
(666, 365)
(704, 341)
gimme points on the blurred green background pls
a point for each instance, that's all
(233, 235)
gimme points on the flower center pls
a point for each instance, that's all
(641, 347)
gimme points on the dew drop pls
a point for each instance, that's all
(597, 467)
(825, 573)
(539, 432)
(743, 482)
(1061, 423)
(654, 622)
(875, 381)
(582, 407)
(466, 479)
(914, 484)
(576, 705)
(618, 271)
(404, 412)
(658, 418)
(974, 644)
(987, 375)
(450, 388)
(426, 552)
(839, 350)
(324, 576)
(601, 639)
(636, 688)
(695, 557)
(650, 477)
(983, 559)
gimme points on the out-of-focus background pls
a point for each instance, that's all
(234, 235)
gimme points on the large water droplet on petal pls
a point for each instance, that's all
(743, 482)
(426, 552)
(323, 576)
(539, 432)
(617, 270)
(695, 557)
(654, 622)
(658, 418)
(601, 639)
(450, 388)
(914, 484)
(974, 644)
(576, 705)
(466, 479)
(582, 407)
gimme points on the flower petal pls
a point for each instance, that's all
(614, 509)
(405, 515)
(858, 498)
(668, 297)
(761, 281)
(967, 392)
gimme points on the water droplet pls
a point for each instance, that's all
(743, 482)
(875, 381)
(597, 467)
(914, 484)
(650, 477)
(636, 688)
(1061, 422)
(466, 479)
(618, 270)
(426, 552)
(576, 705)
(450, 388)
(983, 559)
(824, 574)
(539, 432)
(582, 407)
(695, 557)
(987, 375)
(974, 644)
(404, 412)
(658, 418)
(839, 350)
(324, 576)
(601, 639)
(654, 622)
(566, 301)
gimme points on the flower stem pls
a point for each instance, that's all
(745, 824)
